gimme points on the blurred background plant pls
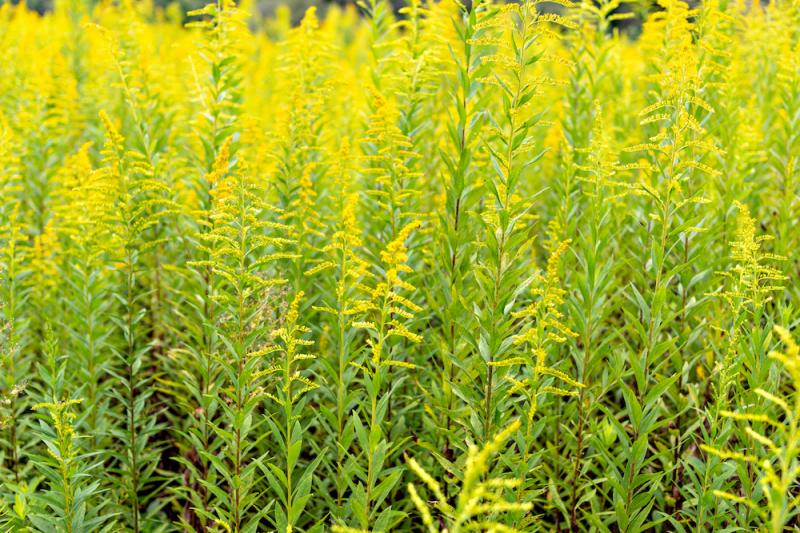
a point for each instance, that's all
(293, 9)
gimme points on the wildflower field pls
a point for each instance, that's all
(484, 267)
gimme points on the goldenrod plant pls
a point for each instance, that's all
(383, 313)
(136, 202)
(14, 363)
(530, 373)
(455, 226)
(480, 502)
(773, 453)
(253, 261)
(290, 391)
(70, 497)
(752, 280)
(66, 496)
(342, 270)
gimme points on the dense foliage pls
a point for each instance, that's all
(489, 268)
